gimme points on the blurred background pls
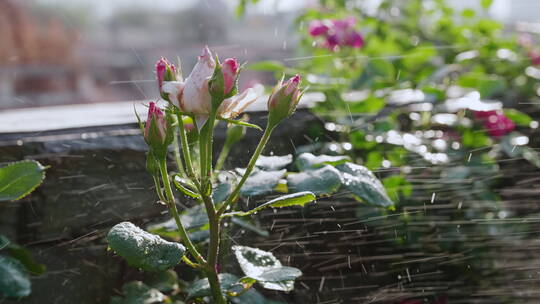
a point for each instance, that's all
(57, 52)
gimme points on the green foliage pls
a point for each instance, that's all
(18, 179)
(364, 185)
(14, 282)
(306, 161)
(262, 182)
(518, 117)
(201, 288)
(142, 249)
(273, 162)
(137, 292)
(397, 185)
(22, 255)
(322, 181)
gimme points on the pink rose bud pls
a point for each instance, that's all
(165, 71)
(284, 99)
(317, 28)
(156, 127)
(230, 74)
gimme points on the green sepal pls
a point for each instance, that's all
(240, 123)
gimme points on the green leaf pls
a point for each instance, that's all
(486, 3)
(468, 13)
(518, 117)
(252, 296)
(22, 255)
(192, 218)
(222, 191)
(270, 65)
(396, 185)
(364, 185)
(371, 104)
(18, 179)
(137, 292)
(142, 249)
(164, 281)
(307, 161)
(295, 199)
(201, 288)
(323, 181)
(273, 162)
(14, 282)
(487, 84)
(475, 139)
(264, 267)
(419, 56)
(261, 182)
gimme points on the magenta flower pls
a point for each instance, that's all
(230, 74)
(155, 129)
(495, 122)
(534, 56)
(354, 39)
(317, 28)
(337, 33)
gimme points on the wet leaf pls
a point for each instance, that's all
(261, 182)
(222, 191)
(164, 281)
(252, 296)
(266, 268)
(201, 288)
(295, 199)
(364, 185)
(323, 181)
(270, 163)
(14, 282)
(307, 161)
(137, 292)
(142, 249)
(19, 179)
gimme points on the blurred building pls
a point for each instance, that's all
(37, 63)
(50, 61)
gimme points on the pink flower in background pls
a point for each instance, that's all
(495, 122)
(230, 73)
(337, 33)
(317, 28)
(525, 40)
(534, 56)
